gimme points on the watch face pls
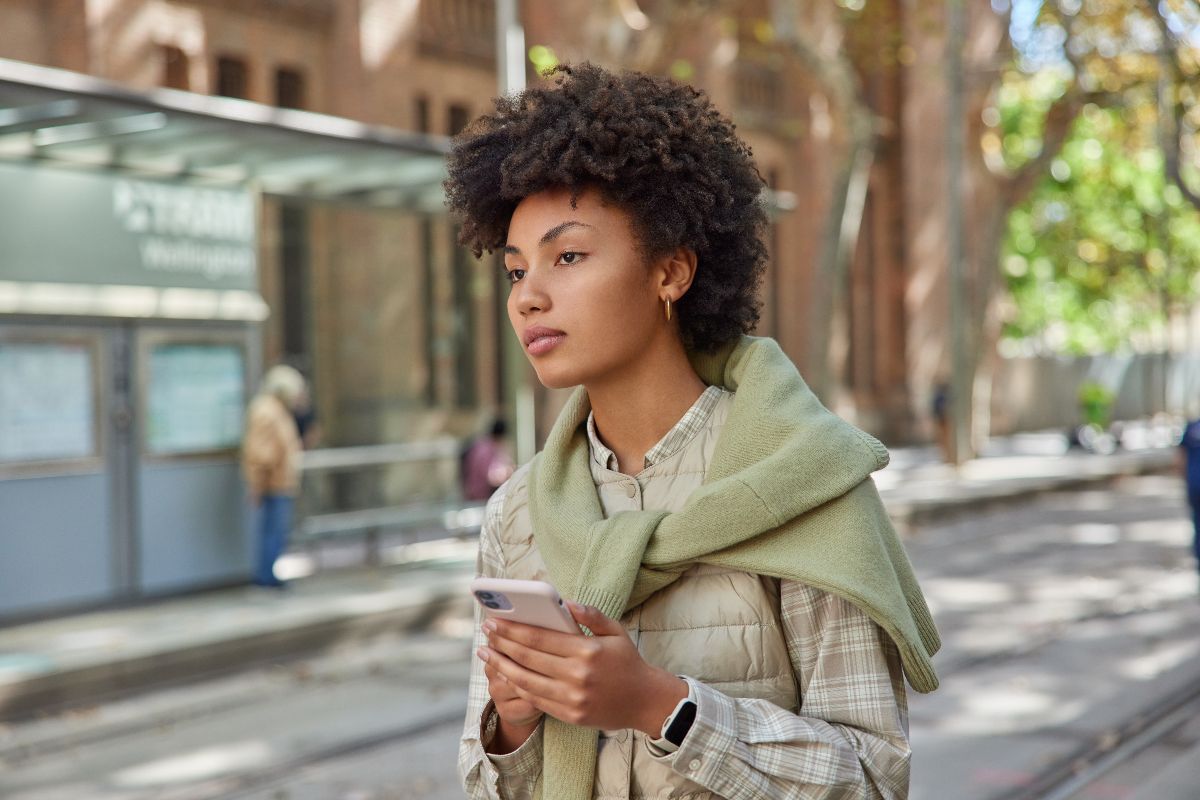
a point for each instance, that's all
(679, 727)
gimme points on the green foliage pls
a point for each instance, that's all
(1019, 115)
(1103, 242)
(1096, 403)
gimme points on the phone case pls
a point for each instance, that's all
(531, 602)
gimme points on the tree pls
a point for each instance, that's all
(1110, 239)
(1104, 244)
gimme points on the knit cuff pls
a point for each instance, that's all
(609, 604)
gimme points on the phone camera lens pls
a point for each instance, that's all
(484, 595)
(491, 604)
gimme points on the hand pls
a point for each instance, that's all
(510, 706)
(598, 682)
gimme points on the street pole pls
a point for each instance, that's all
(960, 384)
(510, 74)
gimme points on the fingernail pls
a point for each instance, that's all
(489, 626)
(482, 653)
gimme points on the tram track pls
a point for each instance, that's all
(1072, 774)
(240, 785)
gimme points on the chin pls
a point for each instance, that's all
(553, 378)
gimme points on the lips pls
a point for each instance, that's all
(540, 339)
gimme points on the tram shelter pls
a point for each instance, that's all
(130, 316)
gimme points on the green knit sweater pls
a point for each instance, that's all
(787, 495)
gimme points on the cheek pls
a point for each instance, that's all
(510, 303)
(619, 320)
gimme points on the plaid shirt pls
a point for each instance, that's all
(849, 741)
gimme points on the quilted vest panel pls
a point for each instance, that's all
(716, 625)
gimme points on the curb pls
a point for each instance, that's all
(53, 692)
(910, 515)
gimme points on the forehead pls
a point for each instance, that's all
(537, 213)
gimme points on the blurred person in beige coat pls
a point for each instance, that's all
(270, 465)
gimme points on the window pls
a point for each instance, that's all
(289, 88)
(232, 77)
(176, 68)
(458, 29)
(457, 119)
(294, 269)
(47, 401)
(195, 398)
(422, 114)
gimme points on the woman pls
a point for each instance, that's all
(752, 613)
(270, 465)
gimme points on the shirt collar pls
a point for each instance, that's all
(691, 423)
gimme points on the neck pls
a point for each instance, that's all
(634, 409)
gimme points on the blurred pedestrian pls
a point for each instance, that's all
(486, 464)
(1189, 462)
(751, 609)
(270, 465)
(307, 424)
(940, 408)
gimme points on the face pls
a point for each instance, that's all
(584, 301)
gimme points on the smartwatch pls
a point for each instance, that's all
(676, 727)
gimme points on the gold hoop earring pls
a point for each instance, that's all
(668, 309)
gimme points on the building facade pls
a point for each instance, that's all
(401, 331)
(429, 67)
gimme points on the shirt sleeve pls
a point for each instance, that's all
(850, 738)
(512, 776)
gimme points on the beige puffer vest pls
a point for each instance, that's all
(718, 626)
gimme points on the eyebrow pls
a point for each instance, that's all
(550, 235)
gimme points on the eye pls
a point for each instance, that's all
(570, 257)
(514, 275)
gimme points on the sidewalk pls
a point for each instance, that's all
(79, 660)
(918, 488)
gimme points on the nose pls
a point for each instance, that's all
(529, 294)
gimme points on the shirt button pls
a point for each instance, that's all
(631, 489)
(695, 765)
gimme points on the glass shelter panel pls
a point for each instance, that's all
(195, 398)
(47, 402)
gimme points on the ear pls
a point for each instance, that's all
(675, 273)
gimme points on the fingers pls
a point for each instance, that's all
(494, 676)
(511, 705)
(593, 619)
(530, 685)
(535, 660)
(535, 638)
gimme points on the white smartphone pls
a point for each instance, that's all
(531, 602)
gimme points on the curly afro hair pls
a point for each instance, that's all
(655, 148)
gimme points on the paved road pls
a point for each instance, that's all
(1063, 622)
(1063, 619)
(368, 721)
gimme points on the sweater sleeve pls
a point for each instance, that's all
(850, 737)
(512, 776)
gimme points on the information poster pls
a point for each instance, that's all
(196, 398)
(47, 402)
